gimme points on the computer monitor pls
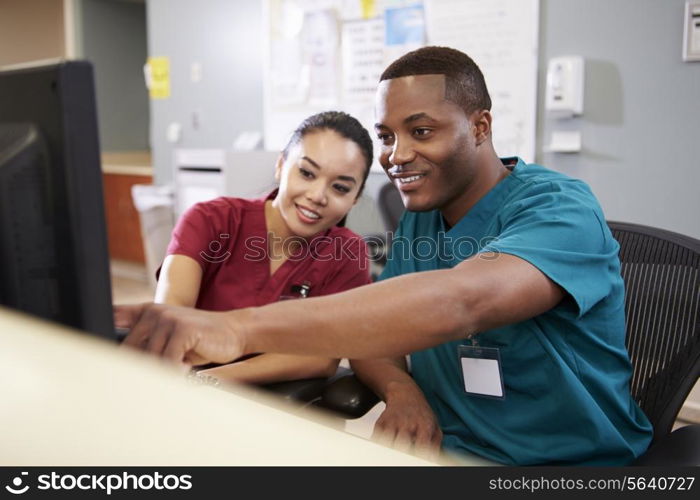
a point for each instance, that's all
(53, 246)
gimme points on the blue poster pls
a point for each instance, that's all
(405, 25)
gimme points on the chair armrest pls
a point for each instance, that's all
(679, 448)
(300, 391)
(348, 397)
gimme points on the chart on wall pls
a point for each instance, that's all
(329, 54)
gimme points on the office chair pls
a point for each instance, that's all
(391, 206)
(661, 271)
(390, 210)
(342, 395)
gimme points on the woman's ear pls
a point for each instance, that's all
(278, 167)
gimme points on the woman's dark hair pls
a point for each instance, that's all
(341, 123)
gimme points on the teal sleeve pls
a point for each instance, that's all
(561, 231)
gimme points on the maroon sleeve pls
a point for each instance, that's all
(196, 230)
(352, 268)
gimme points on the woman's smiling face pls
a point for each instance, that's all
(320, 179)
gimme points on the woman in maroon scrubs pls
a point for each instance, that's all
(232, 253)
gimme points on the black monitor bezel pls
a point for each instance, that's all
(60, 100)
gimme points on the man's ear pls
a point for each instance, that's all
(278, 167)
(482, 125)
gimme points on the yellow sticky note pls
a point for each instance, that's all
(369, 8)
(159, 77)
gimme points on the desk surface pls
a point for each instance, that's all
(127, 163)
(69, 399)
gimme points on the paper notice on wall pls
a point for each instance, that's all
(288, 85)
(319, 41)
(369, 8)
(404, 31)
(363, 58)
(501, 36)
(157, 76)
(288, 81)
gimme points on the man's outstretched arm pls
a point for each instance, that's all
(386, 319)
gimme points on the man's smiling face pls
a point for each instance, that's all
(428, 145)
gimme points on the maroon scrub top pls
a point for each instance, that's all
(228, 238)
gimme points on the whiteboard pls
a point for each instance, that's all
(328, 54)
(501, 36)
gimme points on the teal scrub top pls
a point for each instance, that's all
(566, 373)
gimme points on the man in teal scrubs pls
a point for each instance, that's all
(565, 372)
(503, 284)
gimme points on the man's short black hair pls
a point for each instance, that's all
(464, 82)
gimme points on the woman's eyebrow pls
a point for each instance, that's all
(317, 166)
(312, 162)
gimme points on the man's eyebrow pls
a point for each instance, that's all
(414, 117)
(418, 116)
(318, 167)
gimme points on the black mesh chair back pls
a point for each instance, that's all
(661, 270)
(390, 206)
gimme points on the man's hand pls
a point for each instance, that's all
(180, 334)
(408, 423)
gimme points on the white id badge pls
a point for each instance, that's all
(481, 371)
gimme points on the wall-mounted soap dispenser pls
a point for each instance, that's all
(564, 94)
